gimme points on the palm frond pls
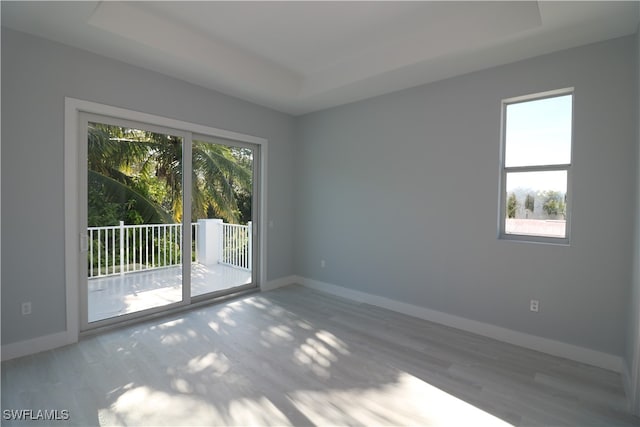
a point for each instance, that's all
(119, 192)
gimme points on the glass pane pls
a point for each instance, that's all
(221, 217)
(134, 219)
(538, 132)
(536, 203)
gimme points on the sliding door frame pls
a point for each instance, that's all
(256, 209)
(76, 114)
(185, 276)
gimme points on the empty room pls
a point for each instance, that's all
(397, 213)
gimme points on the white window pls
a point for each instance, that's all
(536, 167)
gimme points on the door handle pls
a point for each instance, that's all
(84, 242)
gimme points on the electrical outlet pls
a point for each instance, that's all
(26, 308)
(534, 305)
(323, 264)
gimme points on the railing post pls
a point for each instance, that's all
(250, 245)
(122, 248)
(208, 241)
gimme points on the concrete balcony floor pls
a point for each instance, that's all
(114, 296)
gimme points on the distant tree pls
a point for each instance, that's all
(529, 202)
(554, 204)
(512, 205)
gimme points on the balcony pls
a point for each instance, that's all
(137, 267)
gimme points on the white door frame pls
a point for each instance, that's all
(73, 137)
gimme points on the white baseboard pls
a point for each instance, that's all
(59, 339)
(545, 345)
(36, 345)
(278, 283)
(549, 346)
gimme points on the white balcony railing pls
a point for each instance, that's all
(236, 245)
(122, 249)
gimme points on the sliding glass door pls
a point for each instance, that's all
(142, 181)
(222, 215)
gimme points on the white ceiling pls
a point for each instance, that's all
(299, 57)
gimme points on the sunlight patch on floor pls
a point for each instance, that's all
(149, 407)
(409, 401)
(332, 341)
(217, 363)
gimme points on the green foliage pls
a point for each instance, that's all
(243, 200)
(111, 201)
(101, 212)
(554, 203)
(529, 202)
(512, 206)
(222, 182)
(136, 176)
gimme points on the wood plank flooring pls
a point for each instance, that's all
(294, 356)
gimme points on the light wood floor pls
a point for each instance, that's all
(298, 357)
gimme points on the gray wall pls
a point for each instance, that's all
(36, 76)
(399, 195)
(633, 332)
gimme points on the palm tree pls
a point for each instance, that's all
(141, 173)
(218, 174)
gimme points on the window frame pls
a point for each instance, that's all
(504, 170)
